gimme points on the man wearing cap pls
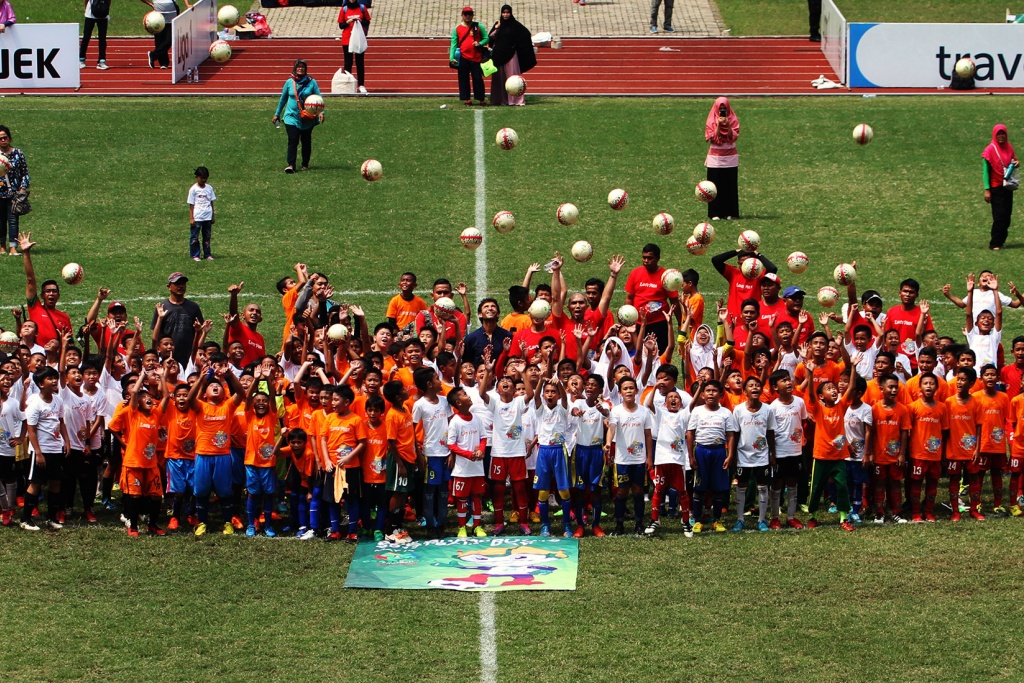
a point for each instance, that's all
(117, 313)
(793, 298)
(870, 302)
(42, 310)
(179, 318)
(771, 303)
(741, 288)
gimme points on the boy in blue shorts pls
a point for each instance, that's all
(590, 413)
(552, 418)
(710, 435)
(431, 415)
(628, 444)
(260, 458)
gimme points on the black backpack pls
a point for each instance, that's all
(100, 8)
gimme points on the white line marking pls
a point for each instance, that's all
(488, 644)
(481, 207)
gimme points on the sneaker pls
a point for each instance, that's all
(997, 511)
(133, 533)
(669, 29)
(250, 531)
(955, 517)
(150, 60)
(88, 515)
(155, 530)
(879, 519)
(654, 29)
(209, 258)
(846, 526)
(687, 530)
(855, 518)
(479, 531)
(403, 537)
(975, 514)
(102, 66)
(362, 90)
(535, 517)
(524, 529)
(289, 170)
(794, 523)
(513, 518)
(579, 532)
(1020, 501)
(28, 526)
(739, 526)
(200, 530)
(378, 535)
(545, 530)
(307, 535)
(812, 523)
(462, 532)
(269, 532)
(929, 517)
(228, 529)
(109, 505)
(499, 529)
(718, 527)
(196, 259)
(81, 64)
(899, 519)
(763, 526)
(619, 530)
(916, 518)
(54, 525)
(334, 536)
(193, 520)
(236, 521)
(61, 517)
(651, 529)
(638, 530)
(775, 524)
(698, 527)
(832, 509)
(7, 517)
(351, 538)
(173, 524)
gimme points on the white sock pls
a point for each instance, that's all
(741, 499)
(775, 496)
(762, 502)
(791, 502)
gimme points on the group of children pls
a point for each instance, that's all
(346, 434)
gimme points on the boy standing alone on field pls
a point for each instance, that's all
(200, 215)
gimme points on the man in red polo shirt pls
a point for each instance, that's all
(771, 302)
(740, 287)
(243, 329)
(904, 319)
(580, 311)
(42, 306)
(793, 298)
(454, 322)
(644, 289)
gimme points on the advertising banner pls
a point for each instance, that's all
(39, 56)
(833, 38)
(192, 33)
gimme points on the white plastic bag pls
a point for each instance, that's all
(343, 83)
(357, 40)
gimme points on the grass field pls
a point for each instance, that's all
(937, 602)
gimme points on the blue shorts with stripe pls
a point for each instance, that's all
(589, 467)
(180, 475)
(551, 463)
(238, 475)
(635, 474)
(212, 473)
(437, 472)
(711, 475)
(260, 480)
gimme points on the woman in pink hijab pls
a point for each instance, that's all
(1000, 160)
(721, 131)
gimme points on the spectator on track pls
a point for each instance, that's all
(97, 15)
(998, 156)
(465, 55)
(7, 18)
(814, 16)
(295, 91)
(161, 53)
(351, 12)
(512, 52)
(721, 130)
(12, 185)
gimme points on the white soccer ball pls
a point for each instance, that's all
(471, 238)
(704, 233)
(371, 170)
(617, 199)
(749, 241)
(706, 191)
(220, 51)
(844, 274)
(314, 104)
(567, 214)
(582, 251)
(8, 341)
(627, 315)
(828, 296)
(227, 16)
(965, 68)
(72, 273)
(797, 262)
(862, 134)
(672, 280)
(445, 304)
(695, 247)
(752, 268)
(5, 165)
(663, 223)
(337, 332)
(515, 85)
(539, 310)
(504, 222)
(154, 22)
(506, 138)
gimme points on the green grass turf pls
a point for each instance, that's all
(109, 187)
(125, 15)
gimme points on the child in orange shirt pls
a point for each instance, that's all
(995, 414)
(140, 474)
(179, 421)
(300, 467)
(962, 447)
(402, 462)
(1017, 450)
(888, 453)
(374, 463)
(342, 443)
(928, 434)
(260, 461)
(828, 410)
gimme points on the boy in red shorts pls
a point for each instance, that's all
(889, 452)
(140, 472)
(466, 460)
(962, 447)
(928, 431)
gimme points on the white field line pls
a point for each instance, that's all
(481, 206)
(488, 644)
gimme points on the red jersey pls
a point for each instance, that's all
(767, 311)
(532, 341)
(1011, 375)
(807, 330)
(252, 341)
(740, 288)
(905, 322)
(52, 323)
(928, 423)
(646, 288)
(888, 429)
(454, 326)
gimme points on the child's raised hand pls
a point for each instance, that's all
(925, 307)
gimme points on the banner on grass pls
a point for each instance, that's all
(192, 33)
(467, 564)
(39, 56)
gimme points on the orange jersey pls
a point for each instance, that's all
(873, 394)
(181, 433)
(731, 400)
(995, 413)
(399, 428)
(143, 439)
(316, 426)
(963, 428)
(404, 312)
(288, 303)
(829, 430)
(404, 375)
(913, 387)
(303, 463)
(927, 425)
(260, 440)
(213, 428)
(118, 423)
(376, 453)
(1017, 420)
(342, 434)
(829, 372)
(696, 304)
(888, 428)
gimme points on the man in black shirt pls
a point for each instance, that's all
(175, 317)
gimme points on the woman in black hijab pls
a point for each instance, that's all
(512, 53)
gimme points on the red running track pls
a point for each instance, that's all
(418, 66)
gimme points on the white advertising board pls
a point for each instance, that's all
(39, 56)
(192, 33)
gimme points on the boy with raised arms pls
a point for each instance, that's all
(508, 450)
(552, 420)
(671, 459)
(140, 473)
(260, 457)
(828, 409)
(179, 422)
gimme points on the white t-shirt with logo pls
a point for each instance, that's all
(507, 431)
(46, 417)
(752, 443)
(709, 426)
(789, 427)
(79, 413)
(670, 447)
(201, 199)
(465, 434)
(853, 423)
(11, 418)
(552, 424)
(590, 425)
(630, 437)
(433, 418)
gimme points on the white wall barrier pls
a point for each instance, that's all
(192, 33)
(833, 38)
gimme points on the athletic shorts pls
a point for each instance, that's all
(630, 474)
(997, 461)
(761, 474)
(238, 473)
(507, 469)
(1015, 463)
(395, 483)
(669, 475)
(711, 475)
(856, 473)
(212, 473)
(437, 473)
(141, 481)
(787, 468)
(260, 480)
(552, 463)
(53, 469)
(924, 469)
(589, 469)
(956, 468)
(354, 481)
(180, 475)
(891, 472)
(467, 487)
(982, 464)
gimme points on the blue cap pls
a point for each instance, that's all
(790, 292)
